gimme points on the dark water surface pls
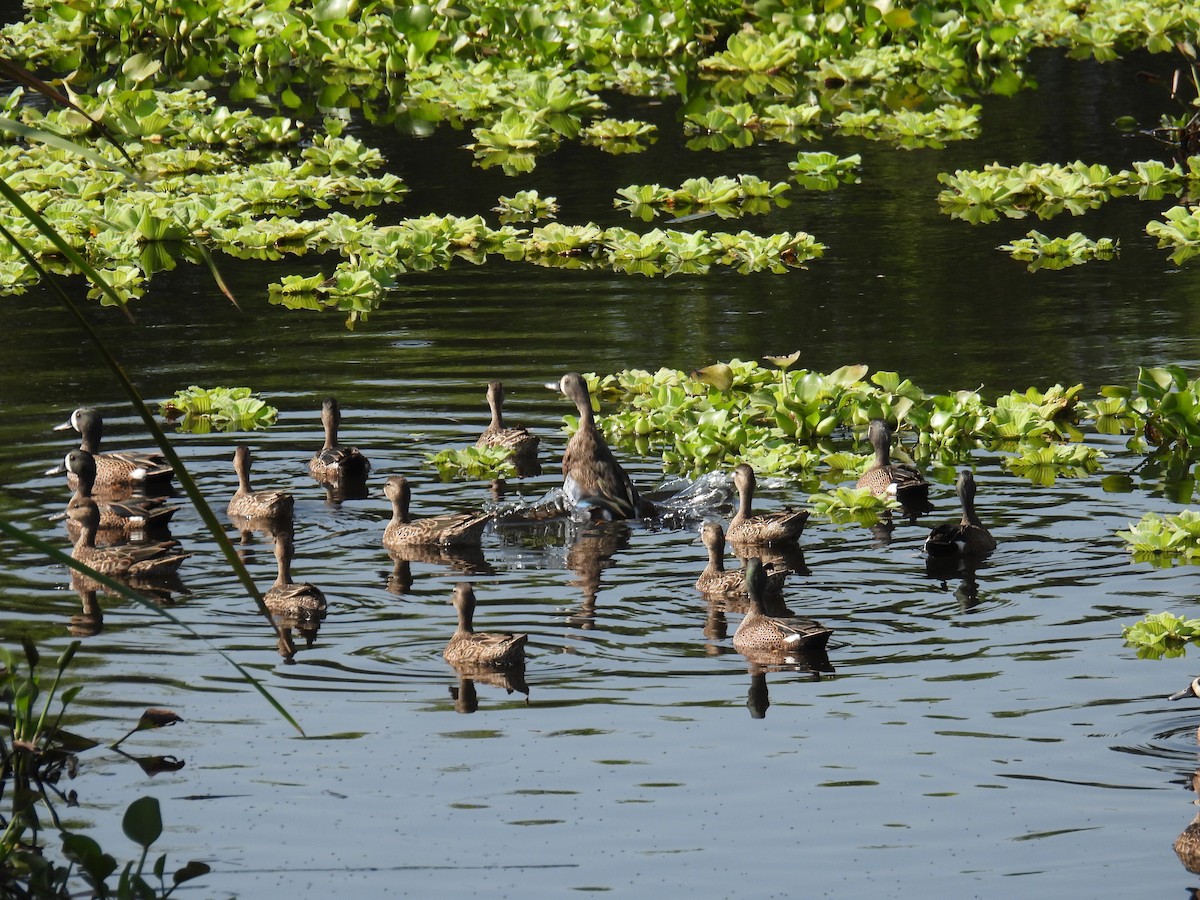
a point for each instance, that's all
(980, 735)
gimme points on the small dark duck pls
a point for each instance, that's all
(592, 477)
(759, 632)
(150, 471)
(765, 528)
(468, 646)
(454, 530)
(252, 504)
(333, 462)
(968, 537)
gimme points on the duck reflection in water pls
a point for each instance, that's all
(467, 560)
(510, 677)
(589, 554)
(812, 663)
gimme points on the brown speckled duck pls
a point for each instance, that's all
(467, 646)
(126, 561)
(758, 631)
(592, 477)
(885, 478)
(459, 529)
(517, 438)
(292, 599)
(716, 579)
(333, 462)
(252, 504)
(115, 470)
(967, 537)
(129, 518)
(766, 528)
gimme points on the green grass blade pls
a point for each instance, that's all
(36, 543)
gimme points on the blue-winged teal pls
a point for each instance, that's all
(125, 561)
(125, 469)
(967, 537)
(332, 462)
(765, 528)
(592, 477)
(131, 518)
(517, 438)
(459, 529)
(467, 646)
(252, 504)
(716, 579)
(292, 599)
(885, 478)
(758, 631)
(1192, 690)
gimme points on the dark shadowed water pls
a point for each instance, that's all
(980, 735)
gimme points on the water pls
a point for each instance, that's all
(977, 735)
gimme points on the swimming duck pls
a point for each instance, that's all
(592, 477)
(133, 517)
(765, 528)
(333, 462)
(758, 631)
(885, 478)
(469, 646)
(518, 439)
(450, 530)
(252, 504)
(126, 561)
(292, 599)
(716, 579)
(123, 469)
(1192, 690)
(968, 537)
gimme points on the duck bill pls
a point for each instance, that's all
(63, 427)
(1189, 691)
(549, 385)
(57, 470)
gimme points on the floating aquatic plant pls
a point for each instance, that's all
(526, 206)
(201, 410)
(727, 197)
(849, 504)
(618, 136)
(1161, 635)
(1042, 252)
(1175, 534)
(486, 463)
(1181, 230)
(1162, 408)
(1041, 465)
(820, 170)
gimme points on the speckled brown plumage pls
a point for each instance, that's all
(592, 477)
(516, 438)
(127, 560)
(758, 631)
(131, 518)
(716, 579)
(115, 470)
(334, 462)
(968, 536)
(253, 504)
(292, 599)
(765, 528)
(458, 529)
(885, 478)
(467, 646)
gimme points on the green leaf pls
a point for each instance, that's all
(142, 823)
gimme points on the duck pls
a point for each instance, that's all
(885, 478)
(517, 438)
(765, 528)
(592, 477)
(467, 646)
(333, 462)
(759, 631)
(129, 518)
(292, 599)
(1192, 690)
(456, 529)
(967, 537)
(716, 579)
(121, 470)
(252, 504)
(162, 558)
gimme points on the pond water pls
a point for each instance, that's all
(979, 734)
